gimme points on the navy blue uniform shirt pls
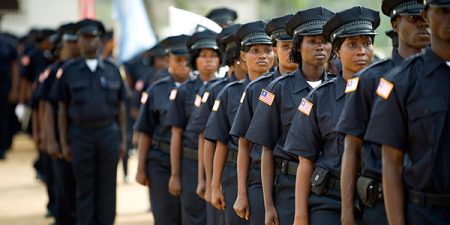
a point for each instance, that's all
(358, 106)
(247, 108)
(224, 112)
(181, 109)
(413, 115)
(153, 111)
(90, 96)
(312, 134)
(211, 93)
(273, 116)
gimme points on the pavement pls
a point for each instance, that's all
(23, 198)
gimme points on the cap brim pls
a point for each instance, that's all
(283, 38)
(258, 41)
(357, 33)
(440, 5)
(311, 33)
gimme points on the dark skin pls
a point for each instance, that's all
(438, 19)
(180, 73)
(413, 37)
(355, 53)
(258, 59)
(207, 63)
(315, 52)
(69, 50)
(88, 45)
(239, 69)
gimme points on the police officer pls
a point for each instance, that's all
(410, 119)
(278, 103)
(312, 135)
(92, 125)
(230, 57)
(153, 145)
(64, 181)
(9, 91)
(413, 36)
(249, 200)
(256, 45)
(205, 59)
(394, 38)
(223, 16)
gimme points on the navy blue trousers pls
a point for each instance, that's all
(229, 187)
(95, 156)
(165, 207)
(284, 198)
(64, 192)
(255, 196)
(193, 208)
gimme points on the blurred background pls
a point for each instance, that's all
(19, 16)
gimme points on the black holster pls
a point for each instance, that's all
(369, 190)
(319, 180)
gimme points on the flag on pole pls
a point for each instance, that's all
(185, 22)
(135, 33)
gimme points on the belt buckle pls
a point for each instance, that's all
(284, 166)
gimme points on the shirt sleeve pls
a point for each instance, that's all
(243, 117)
(176, 114)
(266, 126)
(218, 126)
(304, 137)
(59, 91)
(145, 122)
(357, 109)
(388, 123)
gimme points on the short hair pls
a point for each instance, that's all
(194, 54)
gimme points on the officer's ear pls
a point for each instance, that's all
(242, 55)
(394, 24)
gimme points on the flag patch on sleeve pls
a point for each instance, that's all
(144, 98)
(384, 88)
(266, 97)
(305, 107)
(198, 101)
(352, 85)
(216, 105)
(59, 73)
(205, 97)
(242, 97)
(173, 94)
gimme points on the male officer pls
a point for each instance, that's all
(92, 125)
(413, 36)
(223, 16)
(411, 120)
(153, 145)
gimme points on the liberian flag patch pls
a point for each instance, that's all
(266, 97)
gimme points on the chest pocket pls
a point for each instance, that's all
(112, 88)
(426, 121)
(79, 92)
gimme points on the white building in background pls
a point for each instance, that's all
(39, 13)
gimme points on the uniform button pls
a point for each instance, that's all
(316, 178)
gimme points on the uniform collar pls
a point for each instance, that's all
(340, 87)
(300, 82)
(396, 58)
(431, 61)
(101, 64)
(232, 77)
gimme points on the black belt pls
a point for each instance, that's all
(286, 166)
(94, 125)
(190, 153)
(423, 198)
(161, 146)
(232, 156)
(334, 184)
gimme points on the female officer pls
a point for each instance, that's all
(278, 103)
(184, 141)
(312, 136)
(153, 143)
(258, 55)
